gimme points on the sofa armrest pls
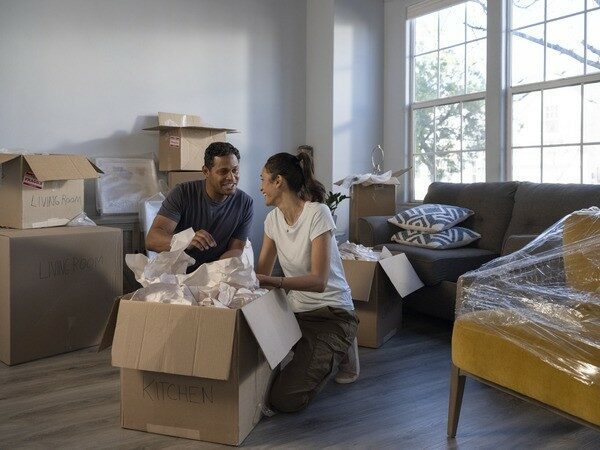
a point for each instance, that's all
(516, 242)
(375, 230)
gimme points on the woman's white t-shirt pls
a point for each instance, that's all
(294, 250)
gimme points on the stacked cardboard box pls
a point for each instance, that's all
(183, 138)
(38, 191)
(57, 286)
(57, 283)
(198, 372)
(175, 178)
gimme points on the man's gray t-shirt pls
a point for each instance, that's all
(189, 205)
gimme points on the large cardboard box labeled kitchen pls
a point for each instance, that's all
(377, 290)
(57, 286)
(183, 139)
(38, 191)
(198, 372)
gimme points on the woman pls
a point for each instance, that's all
(299, 232)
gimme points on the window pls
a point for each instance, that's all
(554, 94)
(448, 79)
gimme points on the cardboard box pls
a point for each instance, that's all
(175, 178)
(377, 289)
(57, 286)
(183, 138)
(38, 191)
(373, 200)
(198, 372)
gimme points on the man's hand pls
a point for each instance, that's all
(203, 240)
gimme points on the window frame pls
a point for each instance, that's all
(455, 99)
(541, 86)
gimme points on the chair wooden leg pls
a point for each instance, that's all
(457, 387)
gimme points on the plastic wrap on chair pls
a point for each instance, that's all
(544, 298)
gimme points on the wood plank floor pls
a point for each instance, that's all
(400, 401)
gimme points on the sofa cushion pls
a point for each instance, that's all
(431, 217)
(538, 206)
(453, 238)
(434, 266)
(492, 204)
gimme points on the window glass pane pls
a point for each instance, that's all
(591, 112)
(424, 168)
(426, 33)
(452, 71)
(476, 20)
(447, 167)
(592, 4)
(473, 166)
(526, 164)
(452, 25)
(562, 115)
(593, 42)
(527, 12)
(559, 8)
(426, 76)
(527, 55)
(476, 65)
(474, 125)
(564, 54)
(423, 125)
(591, 164)
(447, 134)
(561, 165)
(527, 119)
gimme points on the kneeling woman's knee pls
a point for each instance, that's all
(285, 400)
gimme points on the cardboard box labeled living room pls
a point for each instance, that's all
(57, 287)
(198, 372)
(38, 191)
(183, 138)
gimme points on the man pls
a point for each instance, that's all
(219, 213)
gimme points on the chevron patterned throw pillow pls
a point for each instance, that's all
(452, 238)
(430, 218)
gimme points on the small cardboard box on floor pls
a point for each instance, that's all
(183, 139)
(38, 191)
(377, 288)
(57, 286)
(175, 178)
(198, 372)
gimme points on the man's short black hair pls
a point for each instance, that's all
(219, 149)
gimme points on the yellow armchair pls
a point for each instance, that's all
(529, 323)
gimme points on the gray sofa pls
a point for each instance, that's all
(508, 215)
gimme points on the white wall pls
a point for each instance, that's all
(357, 89)
(86, 76)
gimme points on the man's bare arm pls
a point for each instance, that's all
(160, 234)
(235, 248)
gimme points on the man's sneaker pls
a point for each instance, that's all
(349, 367)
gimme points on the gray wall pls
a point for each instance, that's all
(86, 76)
(357, 89)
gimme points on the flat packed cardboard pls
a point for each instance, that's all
(183, 138)
(38, 191)
(198, 372)
(377, 288)
(57, 286)
(175, 178)
(373, 200)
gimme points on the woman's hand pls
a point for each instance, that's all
(266, 281)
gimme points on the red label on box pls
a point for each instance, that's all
(174, 141)
(30, 180)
